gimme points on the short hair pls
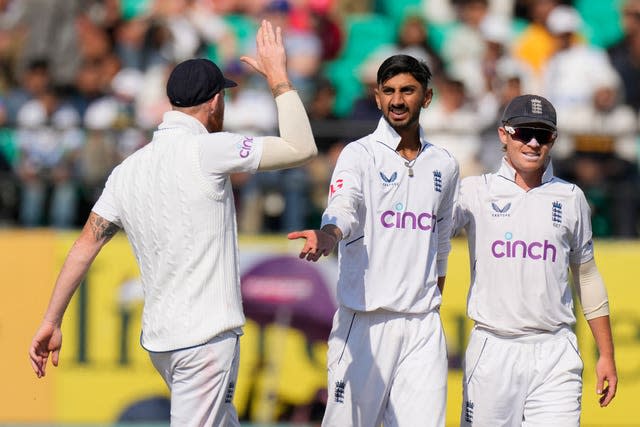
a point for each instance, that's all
(399, 64)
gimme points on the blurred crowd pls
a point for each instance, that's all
(82, 86)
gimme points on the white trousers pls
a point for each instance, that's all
(525, 381)
(386, 367)
(202, 380)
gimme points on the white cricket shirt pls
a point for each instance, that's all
(174, 200)
(394, 226)
(521, 244)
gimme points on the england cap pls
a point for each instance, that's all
(529, 109)
(195, 81)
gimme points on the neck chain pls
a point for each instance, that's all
(409, 164)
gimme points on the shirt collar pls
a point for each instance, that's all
(388, 136)
(177, 119)
(509, 172)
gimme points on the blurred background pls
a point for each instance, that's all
(82, 86)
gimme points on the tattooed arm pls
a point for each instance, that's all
(48, 339)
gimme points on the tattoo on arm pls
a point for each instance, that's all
(281, 88)
(103, 229)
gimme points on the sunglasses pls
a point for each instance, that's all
(525, 134)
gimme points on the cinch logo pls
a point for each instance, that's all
(333, 189)
(521, 249)
(245, 148)
(405, 219)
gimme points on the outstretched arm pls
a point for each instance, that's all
(48, 338)
(318, 242)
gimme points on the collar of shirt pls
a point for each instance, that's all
(387, 135)
(507, 171)
(177, 119)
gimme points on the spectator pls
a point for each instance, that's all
(625, 55)
(52, 35)
(464, 41)
(535, 45)
(509, 82)
(364, 107)
(304, 48)
(49, 140)
(12, 35)
(324, 121)
(413, 39)
(8, 179)
(603, 136)
(33, 82)
(452, 122)
(569, 76)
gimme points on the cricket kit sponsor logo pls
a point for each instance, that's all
(335, 186)
(500, 211)
(398, 217)
(246, 146)
(513, 248)
(389, 180)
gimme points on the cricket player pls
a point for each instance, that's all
(526, 229)
(390, 208)
(173, 199)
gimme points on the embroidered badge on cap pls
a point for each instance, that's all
(536, 106)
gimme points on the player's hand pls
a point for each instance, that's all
(606, 372)
(271, 60)
(317, 243)
(47, 341)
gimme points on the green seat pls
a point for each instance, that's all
(243, 28)
(8, 145)
(344, 76)
(397, 10)
(134, 8)
(364, 34)
(601, 21)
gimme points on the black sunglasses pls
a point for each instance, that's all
(526, 134)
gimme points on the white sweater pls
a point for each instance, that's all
(173, 198)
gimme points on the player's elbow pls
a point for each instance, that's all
(309, 153)
(304, 154)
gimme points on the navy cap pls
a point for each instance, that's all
(195, 81)
(530, 109)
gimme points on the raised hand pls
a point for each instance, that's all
(271, 59)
